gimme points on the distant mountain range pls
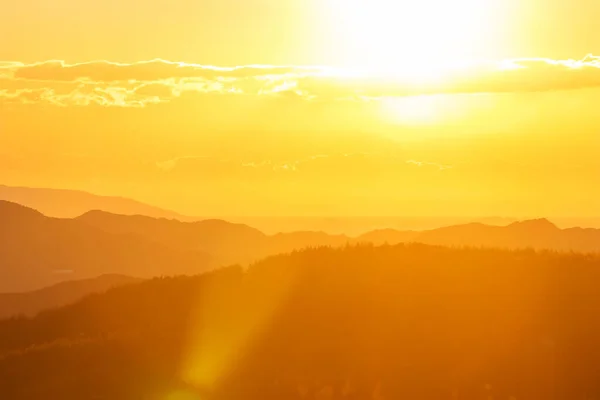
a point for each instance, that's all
(536, 234)
(230, 243)
(357, 225)
(61, 294)
(62, 203)
(38, 251)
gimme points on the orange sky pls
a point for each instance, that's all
(230, 119)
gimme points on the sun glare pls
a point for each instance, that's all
(409, 38)
(413, 110)
(413, 42)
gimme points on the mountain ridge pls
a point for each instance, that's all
(536, 233)
(37, 251)
(122, 243)
(68, 203)
(58, 295)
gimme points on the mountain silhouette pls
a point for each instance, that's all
(536, 234)
(237, 243)
(227, 242)
(407, 322)
(61, 294)
(38, 251)
(63, 203)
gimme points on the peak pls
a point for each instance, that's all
(11, 206)
(537, 224)
(13, 210)
(94, 213)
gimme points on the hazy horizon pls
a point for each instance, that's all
(59, 202)
(307, 107)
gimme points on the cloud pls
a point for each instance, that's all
(107, 71)
(106, 83)
(81, 95)
(26, 96)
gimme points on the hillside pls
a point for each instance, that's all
(63, 203)
(61, 294)
(219, 238)
(392, 322)
(228, 243)
(537, 234)
(38, 251)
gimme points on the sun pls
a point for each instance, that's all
(414, 110)
(411, 38)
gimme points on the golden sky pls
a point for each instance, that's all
(307, 107)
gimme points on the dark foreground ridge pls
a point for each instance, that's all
(61, 294)
(361, 322)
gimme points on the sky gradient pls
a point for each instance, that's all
(265, 107)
